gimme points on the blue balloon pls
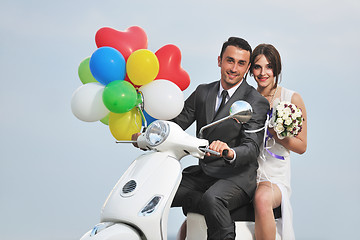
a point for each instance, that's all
(107, 64)
(149, 119)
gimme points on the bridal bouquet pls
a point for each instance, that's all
(286, 119)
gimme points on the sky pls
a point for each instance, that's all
(56, 171)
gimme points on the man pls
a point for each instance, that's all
(220, 184)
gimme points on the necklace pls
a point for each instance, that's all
(272, 95)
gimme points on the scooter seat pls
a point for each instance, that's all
(247, 213)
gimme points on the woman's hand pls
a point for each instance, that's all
(298, 143)
(272, 131)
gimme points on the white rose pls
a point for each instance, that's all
(285, 117)
(298, 113)
(279, 128)
(288, 121)
(280, 113)
(279, 120)
(287, 111)
(280, 107)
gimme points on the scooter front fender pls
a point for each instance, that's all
(112, 231)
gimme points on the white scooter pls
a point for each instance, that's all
(138, 206)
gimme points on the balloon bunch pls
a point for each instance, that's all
(125, 85)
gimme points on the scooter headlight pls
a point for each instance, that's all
(157, 132)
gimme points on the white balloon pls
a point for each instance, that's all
(87, 104)
(162, 99)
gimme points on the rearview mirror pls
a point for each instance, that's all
(240, 110)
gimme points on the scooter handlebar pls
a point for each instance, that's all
(224, 153)
(209, 151)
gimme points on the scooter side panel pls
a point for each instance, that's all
(155, 174)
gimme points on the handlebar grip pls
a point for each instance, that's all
(225, 153)
(209, 151)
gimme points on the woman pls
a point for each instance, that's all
(274, 161)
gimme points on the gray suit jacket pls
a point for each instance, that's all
(200, 107)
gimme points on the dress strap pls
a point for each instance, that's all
(286, 94)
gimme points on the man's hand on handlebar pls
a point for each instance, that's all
(220, 146)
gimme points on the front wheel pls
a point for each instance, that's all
(110, 231)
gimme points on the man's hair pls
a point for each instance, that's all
(236, 42)
(273, 57)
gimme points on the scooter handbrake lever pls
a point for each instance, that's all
(209, 151)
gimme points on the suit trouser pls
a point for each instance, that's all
(214, 198)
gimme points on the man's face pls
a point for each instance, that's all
(234, 65)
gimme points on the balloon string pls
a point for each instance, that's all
(140, 106)
(142, 115)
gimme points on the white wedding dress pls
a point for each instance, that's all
(274, 166)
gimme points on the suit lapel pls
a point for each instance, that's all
(238, 95)
(210, 102)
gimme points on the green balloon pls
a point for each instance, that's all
(119, 96)
(84, 72)
(105, 120)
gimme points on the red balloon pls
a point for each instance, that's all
(126, 42)
(169, 57)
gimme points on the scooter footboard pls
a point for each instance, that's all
(111, 232)
(197, 229)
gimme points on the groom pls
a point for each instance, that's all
(220, 184)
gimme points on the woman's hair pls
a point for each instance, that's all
(273, 57)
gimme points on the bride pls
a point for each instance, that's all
(274, 161)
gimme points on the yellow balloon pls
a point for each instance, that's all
(124, 125)
(142, 67)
